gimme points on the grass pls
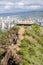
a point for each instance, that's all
(33, 55)
(3, 38)
(1, 52)
(32, 52)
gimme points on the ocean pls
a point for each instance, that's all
(32, 14)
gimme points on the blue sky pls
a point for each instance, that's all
(7, 6)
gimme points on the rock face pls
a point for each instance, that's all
(11, 57)
(6, 58)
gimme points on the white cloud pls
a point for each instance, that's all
(7, 7)
(31, 7)
(10, 5)
(20, 3)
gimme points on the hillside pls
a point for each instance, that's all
(24, 44)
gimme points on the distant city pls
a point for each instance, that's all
(7, 22)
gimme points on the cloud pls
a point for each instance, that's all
(20, 5)
(5, 6)
(32, 7)
(9, 5)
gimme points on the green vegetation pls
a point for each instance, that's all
(3, 38)
(32, 52)
(1, 52)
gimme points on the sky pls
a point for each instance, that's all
(12, 6)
